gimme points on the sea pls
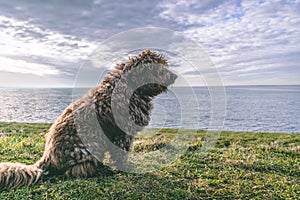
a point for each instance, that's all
(243, 108)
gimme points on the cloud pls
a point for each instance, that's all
(94, 20)
(245, 39)
(27, 48)
(187, 12)
(62, 34)
(24, 38)
(243, 36)
(15, 79)
(21, 66)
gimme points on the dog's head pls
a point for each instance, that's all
(149, 75)
(154, 80)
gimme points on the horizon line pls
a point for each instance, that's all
(85, 87)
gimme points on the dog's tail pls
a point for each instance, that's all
(14, 174)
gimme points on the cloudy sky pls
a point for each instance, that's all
(43, 44)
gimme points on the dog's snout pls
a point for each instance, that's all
(173, 77)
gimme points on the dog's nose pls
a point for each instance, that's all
(173, 77)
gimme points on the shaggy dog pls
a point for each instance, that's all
(103, 122)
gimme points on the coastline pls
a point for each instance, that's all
(174, 128)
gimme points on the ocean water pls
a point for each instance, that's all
(248, 108)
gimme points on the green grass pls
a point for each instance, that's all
(242, 165)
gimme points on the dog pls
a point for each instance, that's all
(105, 121)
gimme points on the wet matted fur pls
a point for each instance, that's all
(67, 149)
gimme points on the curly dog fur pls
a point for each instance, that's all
(68, 142)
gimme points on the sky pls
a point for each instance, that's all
(45, 44)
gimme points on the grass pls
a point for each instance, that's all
(242, 165)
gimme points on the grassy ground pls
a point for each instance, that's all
(240, 166)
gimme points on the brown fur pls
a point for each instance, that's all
(65, 152)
